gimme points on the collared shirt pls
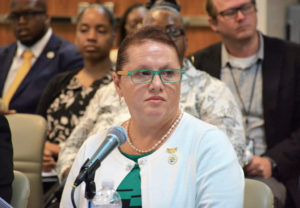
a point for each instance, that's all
(242, 73)
(36, 49)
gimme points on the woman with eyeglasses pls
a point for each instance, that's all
(170, 158)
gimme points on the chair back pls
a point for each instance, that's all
(257, 194)
(20, 190)
(28, 136)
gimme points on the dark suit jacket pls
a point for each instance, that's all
(281, 103)
(66, 58)
(6, 160)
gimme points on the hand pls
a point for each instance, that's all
(51, 151)
(259, 167)
(5, 112)
(48, 161)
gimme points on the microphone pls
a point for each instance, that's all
(115, 137)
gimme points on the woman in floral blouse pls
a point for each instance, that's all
(67, 95)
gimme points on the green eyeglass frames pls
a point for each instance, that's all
(144, 76)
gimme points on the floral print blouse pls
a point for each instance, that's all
(66, 110)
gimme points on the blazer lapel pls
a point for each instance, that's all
(6, 59)
(209, 60)
(215, 61)
(42, 63)
(47, 55)
(271, 68)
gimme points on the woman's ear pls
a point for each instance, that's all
(116, 79)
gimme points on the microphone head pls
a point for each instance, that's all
(119, 132)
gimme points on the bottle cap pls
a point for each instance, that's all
(108, 184)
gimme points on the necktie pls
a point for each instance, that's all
(20, 75)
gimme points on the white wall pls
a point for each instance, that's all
(272, 16)
(261, 15)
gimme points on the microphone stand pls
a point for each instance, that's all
(90, 186)
(87, 174)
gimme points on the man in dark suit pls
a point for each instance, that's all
(6, 160)
(264, 75)
(51, 55)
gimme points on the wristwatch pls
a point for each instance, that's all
(273, 163)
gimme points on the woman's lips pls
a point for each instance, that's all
(90, 48)
(156, 99)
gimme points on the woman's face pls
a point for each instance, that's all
(134, 19)
(94, 35)
(156, 99)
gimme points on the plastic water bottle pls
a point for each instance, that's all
(107, 197)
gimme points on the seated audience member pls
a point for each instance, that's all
(263, 73)
(131, 20)
(170, 3)
(68, 94)
(203, 96)
(6, 155)
(170, 158)
(28, 64)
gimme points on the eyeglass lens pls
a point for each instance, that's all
(245, 9)
(144, 76)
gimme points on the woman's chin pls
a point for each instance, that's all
(155, 113)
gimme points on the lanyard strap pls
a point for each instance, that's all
(245, 112)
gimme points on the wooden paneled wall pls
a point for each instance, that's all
(198, 36)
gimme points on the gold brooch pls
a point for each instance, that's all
(172, 159)
(172, 150)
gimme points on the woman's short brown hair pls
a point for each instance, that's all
(145, 34)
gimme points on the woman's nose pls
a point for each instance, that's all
(157, 83)
(92, 35)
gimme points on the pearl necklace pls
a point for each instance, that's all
(157, 143)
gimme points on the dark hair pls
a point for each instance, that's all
(39, 3)
(170, 3)
(123, 20)
(143, 35)
(211, 9)
(109, 14)
(169, 9)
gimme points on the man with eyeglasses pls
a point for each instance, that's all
(203, 96)
(263, 73)
(29, 63)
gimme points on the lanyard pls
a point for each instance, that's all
(245, 111)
